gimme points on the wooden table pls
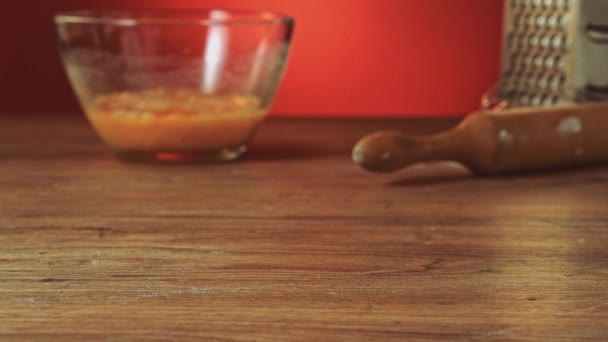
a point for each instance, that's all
(293, 243)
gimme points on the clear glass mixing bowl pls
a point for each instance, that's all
(175, 84)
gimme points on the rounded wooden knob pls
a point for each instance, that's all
(386, 151)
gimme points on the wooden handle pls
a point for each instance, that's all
(489, 142)
(391, 151)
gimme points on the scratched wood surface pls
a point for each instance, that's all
(293, 243)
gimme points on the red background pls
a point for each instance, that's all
(349, 57)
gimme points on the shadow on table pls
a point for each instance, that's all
(433, 173)
(430, 180)
(430, 176)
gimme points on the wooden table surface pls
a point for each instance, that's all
(292, 243)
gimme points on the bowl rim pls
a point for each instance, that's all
(171, 16)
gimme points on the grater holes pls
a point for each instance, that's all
(563, 83)
(560, 42)
(556, 42)
(567, 42)
(545, 41)
(516, 42)
(542, 82)
(511, 40)
(531, 82)
(518, 80)
(555, 83)
(558, 84)
(533, 40)
(541, 21)
(512, 64)
(515, 58)
(562, 20)
(510, 83)
(560, 64)
(522, 40)
(530, 21)
(538, 51)
(557, 100)
(516, 20)
(549, 62)
(522, 21)
(526, 60)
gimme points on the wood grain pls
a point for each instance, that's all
(292, 243)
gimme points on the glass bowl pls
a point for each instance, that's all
(175, 85)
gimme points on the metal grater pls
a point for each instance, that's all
(555, 52)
